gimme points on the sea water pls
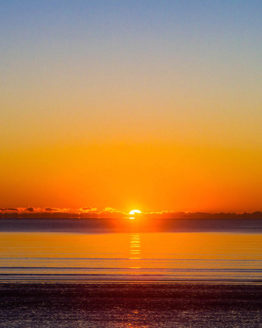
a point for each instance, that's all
(123, 280)
(194, 256)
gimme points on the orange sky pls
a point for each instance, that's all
(149, 176)
(124, 106)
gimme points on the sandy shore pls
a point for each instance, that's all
(130, 305)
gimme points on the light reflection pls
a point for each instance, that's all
(134, 319)
(134, 247)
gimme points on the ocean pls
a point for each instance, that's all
(193, 256)
(95, 278)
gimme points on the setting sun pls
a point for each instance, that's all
(134, 212)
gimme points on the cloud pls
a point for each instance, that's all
(111, 213)
(9, 209)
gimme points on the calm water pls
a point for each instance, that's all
(131, 256)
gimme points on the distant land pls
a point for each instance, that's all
(16, 220)
(110, 213)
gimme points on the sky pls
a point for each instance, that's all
(143, 104)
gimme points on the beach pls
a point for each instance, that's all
(147, 304)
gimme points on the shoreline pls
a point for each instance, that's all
(77, 279)
(133, 304)
(171, 290)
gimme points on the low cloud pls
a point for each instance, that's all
(111, 213)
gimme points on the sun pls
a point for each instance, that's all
(134, 212)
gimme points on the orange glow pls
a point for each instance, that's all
(192, 178)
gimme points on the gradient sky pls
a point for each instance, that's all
(148, 104)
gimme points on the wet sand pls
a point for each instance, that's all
(130, 305)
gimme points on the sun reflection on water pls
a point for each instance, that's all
(134, 247)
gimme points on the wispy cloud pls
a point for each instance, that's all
(111, 213)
